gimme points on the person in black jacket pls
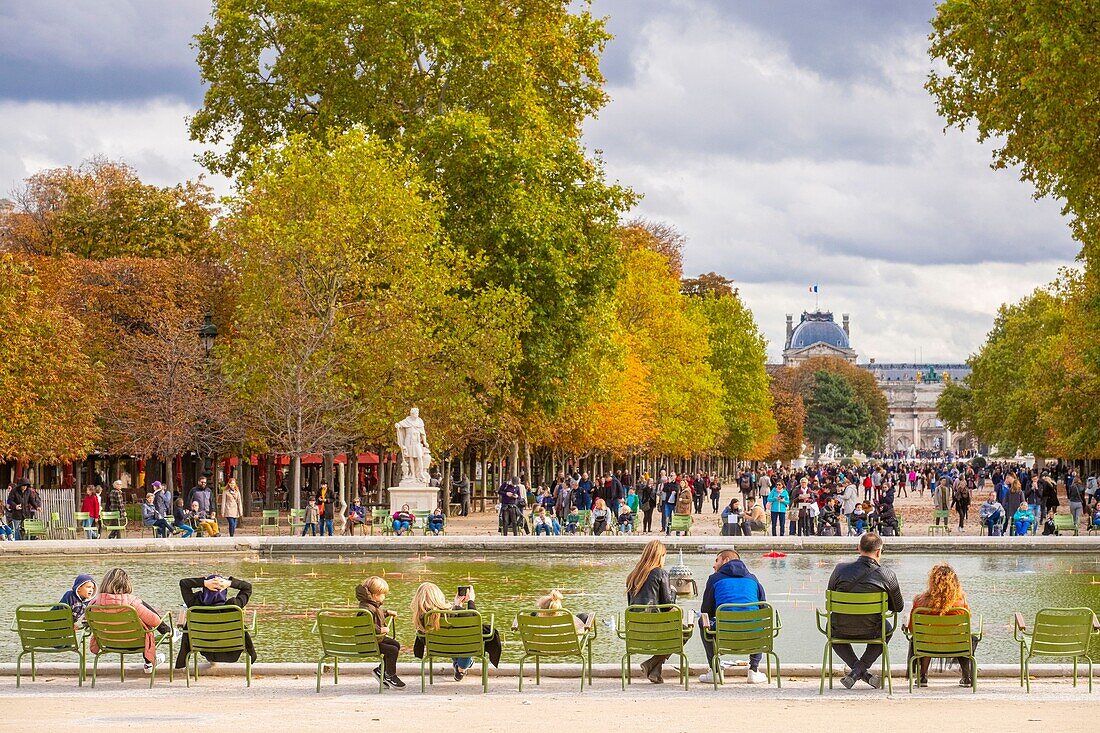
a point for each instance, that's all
(23, 503)
(648, 585)
(863, 575)
(213, 590)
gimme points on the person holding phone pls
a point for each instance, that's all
(429, 597)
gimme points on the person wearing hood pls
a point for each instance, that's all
(23, 503)
(77, 599)
(213, 590)
(731, 583)
(371, 594)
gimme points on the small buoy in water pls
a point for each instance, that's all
(773, 553)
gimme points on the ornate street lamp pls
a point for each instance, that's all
(208, 333)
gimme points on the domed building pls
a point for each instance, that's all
(817, 334)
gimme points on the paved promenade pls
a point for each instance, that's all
(290, 704)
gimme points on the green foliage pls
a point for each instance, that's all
(102, 210)
(955, 407)
(486, 97)
(737, 356)
(835, 414)
(1025, 73)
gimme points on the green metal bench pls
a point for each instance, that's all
(1057, 632)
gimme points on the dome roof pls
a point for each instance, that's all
(818, 328)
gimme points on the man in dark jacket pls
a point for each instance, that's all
(23, 503)
(213, 590)
(731, 583)
(509, 506)
(863, 575)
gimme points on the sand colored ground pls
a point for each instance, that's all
(290, 704)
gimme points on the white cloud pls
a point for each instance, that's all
(782, 176)
(149, 135)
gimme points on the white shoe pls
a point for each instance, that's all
(707, 678)
(149, 667)
(757, 678)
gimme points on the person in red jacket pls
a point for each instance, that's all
(90, 505)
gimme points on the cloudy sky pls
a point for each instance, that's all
(791, 142)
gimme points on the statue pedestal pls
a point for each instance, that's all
(424, 498)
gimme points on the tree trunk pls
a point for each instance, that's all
(296, 481)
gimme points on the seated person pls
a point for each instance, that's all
(758, 520)
(78, 597)
(202, 518)
(572, 521)
(601, 517)
(887, 520)
(859, 519)
(731, 583)
(429, 597)
(552, 601)
(829, 524)
(357, 516)
(734, 523)
(1096, 516)
(117, 589)
(436, 520)
(991, 514)
(863, 575)
(183, 519)
(371, 594)
(1049, 527)
(944, 596)
(625, 519)
(213, 590)
(545, 523)
(151, 517)
(403, 520)
(1023, 520)
(6, 532)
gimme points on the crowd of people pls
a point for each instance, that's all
(818, 499)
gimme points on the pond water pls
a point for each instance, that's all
(288, 590)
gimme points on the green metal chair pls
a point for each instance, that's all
(742, 629)
(269, 520)
(296, 520)
(35, 528)
(218, 629)
(942, 636)
(935, 527)
(1065, 523)
(553, 634)
(420, 521)
(381, 518)
(113, 522)
(854, 604)
(118, 630)
(347, 633)
(584, 521)
(680, 523)
(57, 527)
(78, 524)
(460, 634)
(1058, 632)
(653, 630)
(46, 630)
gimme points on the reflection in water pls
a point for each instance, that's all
(288, 591)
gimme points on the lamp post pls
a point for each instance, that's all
(208, 332)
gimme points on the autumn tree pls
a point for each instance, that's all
(487, 99)
(737, 353)
(371, 310)
(710, 282)
(790, 418)
(102, 209)
(52, 390)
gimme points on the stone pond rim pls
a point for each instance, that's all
(472, 544)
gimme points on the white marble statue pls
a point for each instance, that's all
(912, 451)
(831, 451)
(416, 457)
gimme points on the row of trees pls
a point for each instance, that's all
(1023, 73)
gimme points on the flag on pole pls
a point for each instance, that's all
(813, 288)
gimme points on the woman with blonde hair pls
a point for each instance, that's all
(943, 597)
(429, 597)
(232, 506)
(648, 585)
(552, 601)
(116, 589)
